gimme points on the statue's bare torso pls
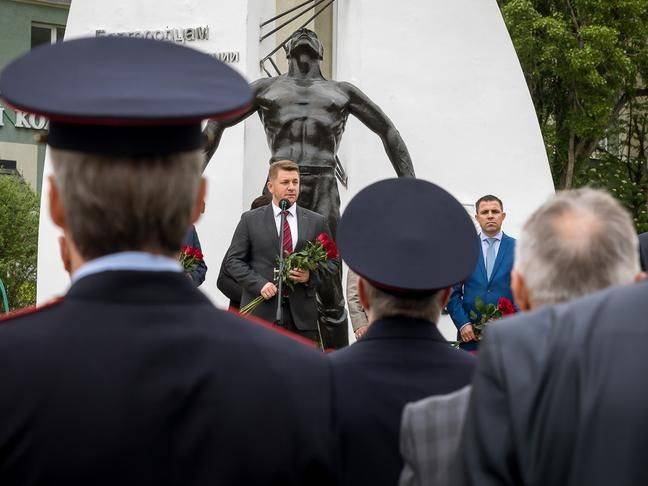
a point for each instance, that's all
(303, 120)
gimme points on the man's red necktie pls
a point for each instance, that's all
(287, 244)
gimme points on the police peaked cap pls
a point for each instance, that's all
(124, 96)
(408, 237)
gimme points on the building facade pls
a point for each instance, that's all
(25, 24)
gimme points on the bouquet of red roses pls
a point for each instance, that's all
(189, 258)
(485, 313)
(313, 257)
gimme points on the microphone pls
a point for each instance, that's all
(284, 204)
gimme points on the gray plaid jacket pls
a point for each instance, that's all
(429, 439)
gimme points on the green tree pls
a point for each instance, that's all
(585, 62)
(19, 210)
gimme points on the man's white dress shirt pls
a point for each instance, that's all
(292, 221)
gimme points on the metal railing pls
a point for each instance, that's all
(309, 5)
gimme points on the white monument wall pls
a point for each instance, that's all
(447, 75)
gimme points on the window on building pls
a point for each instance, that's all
(7, 167)
(46, 34)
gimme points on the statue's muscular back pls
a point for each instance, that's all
(303, 119)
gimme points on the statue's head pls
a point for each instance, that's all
(304, 39)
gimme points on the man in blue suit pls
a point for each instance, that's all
(492, 277)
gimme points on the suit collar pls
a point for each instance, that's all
(303, 228)
(133, 286)
(269, 221)
(402, 327)
(504, 248)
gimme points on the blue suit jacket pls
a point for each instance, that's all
(462, 299)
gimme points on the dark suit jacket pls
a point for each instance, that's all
(252, 257)
(559, 396)
(643, 251)
(229, 286)
(136, 378)
(462, 299)
(399, 360)
(199, 273)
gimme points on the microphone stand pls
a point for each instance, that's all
(283, 205)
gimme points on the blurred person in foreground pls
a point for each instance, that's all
(561, 255)
(134, 377)
(555, 397)
(407, 261)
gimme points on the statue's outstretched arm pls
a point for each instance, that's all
(373, 117)
(214, 129)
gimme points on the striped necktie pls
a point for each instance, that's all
(287, 243)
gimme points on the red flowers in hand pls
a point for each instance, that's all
(505, 306)
(329, 245)
(191, 252)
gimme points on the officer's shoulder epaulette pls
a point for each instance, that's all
(30, 310)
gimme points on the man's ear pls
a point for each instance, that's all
(520, 291)
(444, 297)
(503, 216)
(56, 210)
(200, 198)
(362, 293)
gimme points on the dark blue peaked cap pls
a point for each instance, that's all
(124, 96)
(408, 237)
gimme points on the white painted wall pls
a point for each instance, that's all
(232, 28)
(447, 75)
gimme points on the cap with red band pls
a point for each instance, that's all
(124, 96)
(408, 237)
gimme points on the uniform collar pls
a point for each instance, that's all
(137, 287)
(127, 260)
(403, 327)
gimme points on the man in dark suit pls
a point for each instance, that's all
(135, 377)
(491, 279)
(252, 255)
(557, 397)
(407, 261)
(228, 284)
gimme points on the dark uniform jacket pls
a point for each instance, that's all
(559, 396)
(135, 378)
(399, 360)
(252, 258)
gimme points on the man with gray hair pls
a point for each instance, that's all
(555, 397)
(578, 242)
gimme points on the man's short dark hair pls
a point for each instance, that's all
(275, 167)
(488, 198)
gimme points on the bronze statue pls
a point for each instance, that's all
(304, 116)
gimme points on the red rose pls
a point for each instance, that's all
(505, 306)
(198, 254)
(329, 246)
(183, 249)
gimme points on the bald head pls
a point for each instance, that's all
(578, 242)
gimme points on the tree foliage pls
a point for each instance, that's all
(585, 62)
(19, 210)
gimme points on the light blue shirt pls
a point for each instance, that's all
(128, 260)
(484, 242)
